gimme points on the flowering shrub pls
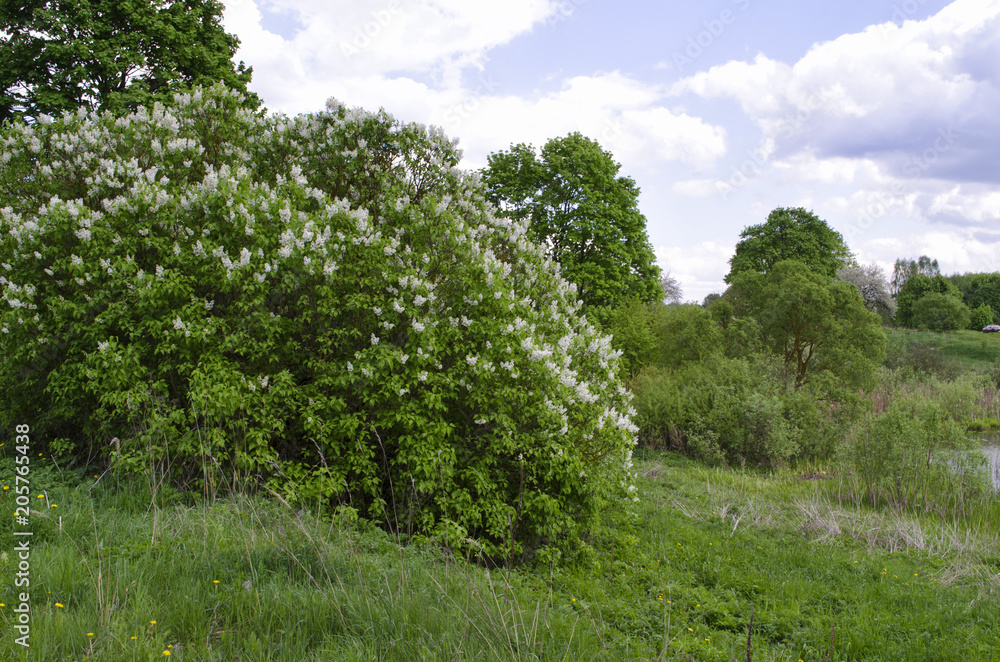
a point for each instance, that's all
(324, 301)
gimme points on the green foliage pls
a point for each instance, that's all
(913, 456)
(732, 411)
(915, 288)
(979, 289)
(686, 332)
(871, 283)
(903, 270)
(789, 234)
(940, 312)
(815, 324)
(980, 316)
(323, 301)
(114, 55)
(584, 214)
(633, 329)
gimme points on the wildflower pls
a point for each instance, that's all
(57, 604)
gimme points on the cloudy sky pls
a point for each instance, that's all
(881, 116)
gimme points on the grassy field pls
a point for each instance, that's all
(968, 349)
(116, 578)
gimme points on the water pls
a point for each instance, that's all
(991, 447)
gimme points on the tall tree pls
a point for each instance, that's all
(818, 325)
(904, 269)
(112, 55)
(583, 212)
(790, 234)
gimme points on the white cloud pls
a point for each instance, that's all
(699, 268)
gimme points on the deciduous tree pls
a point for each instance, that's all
(583, 212)
(816, 324)
(871, 283)
(112, 55)
(790, 234)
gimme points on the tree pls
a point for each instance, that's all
(583, 213)
(816, 324)
(981, 316)
(871, 283)
(978, 289)
(672, 292)
(935, 311)
(325, 301)
(112, 55)
(905, 269)
(916, 287)
(790, 234)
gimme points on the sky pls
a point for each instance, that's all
(882, 117)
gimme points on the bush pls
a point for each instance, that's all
(981, 316)
(912, 455)
(940, 312)
(324, 301)
(733, 411)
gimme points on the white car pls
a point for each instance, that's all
(991, 328)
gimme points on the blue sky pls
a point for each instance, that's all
(879, 116)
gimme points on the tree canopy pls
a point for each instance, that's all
(904, 269)
(815, 323)
(789, 234)
(583, 212)
(916, 287)
(114, 55)
(325, 302)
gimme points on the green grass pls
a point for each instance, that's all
(675, 580)
(968, 349)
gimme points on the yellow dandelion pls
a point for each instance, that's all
(152, 622)
(53, 506)
(215, 581)
(133, 638)
(90, 634)
(41, 496)
(166, 652)
(2, 604)
(6, 487)
(59, 605)
(574, 599)
(690, 629)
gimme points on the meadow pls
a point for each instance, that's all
(118, 574)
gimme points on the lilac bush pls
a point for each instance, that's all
(325, 303)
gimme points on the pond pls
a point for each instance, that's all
(991, 446)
